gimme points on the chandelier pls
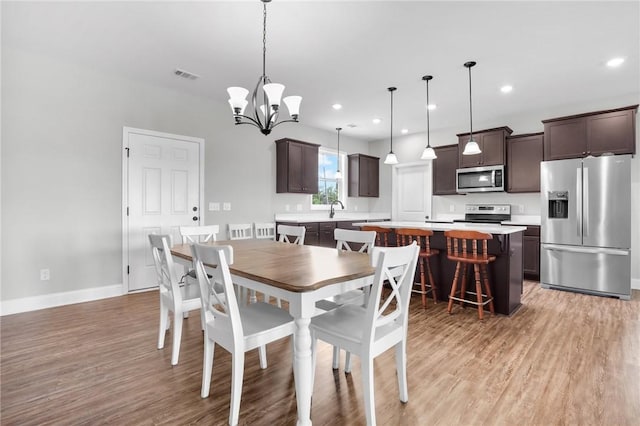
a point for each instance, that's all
(266, 96)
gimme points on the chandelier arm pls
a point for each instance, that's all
(284, 121)
(251, 121)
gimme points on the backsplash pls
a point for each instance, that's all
(521, 204)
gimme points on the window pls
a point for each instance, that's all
(329, 187)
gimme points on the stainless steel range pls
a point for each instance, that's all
(486, 213)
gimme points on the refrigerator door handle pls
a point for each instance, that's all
(586, 250)
(585, 202)
(579, 199)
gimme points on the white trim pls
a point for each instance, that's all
(343, 194)
(34, 303)
(635, 283)
(125, 188)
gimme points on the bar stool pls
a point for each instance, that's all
(458, 242)
(382, 239)
(404, 237)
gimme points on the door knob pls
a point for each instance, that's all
(195, 218)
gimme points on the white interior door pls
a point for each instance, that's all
(411, 188)
(163, 192)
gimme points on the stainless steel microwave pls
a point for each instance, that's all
(480, 179)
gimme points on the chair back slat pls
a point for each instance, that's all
(344, 237)
(265, 231)
(404, 237)
(168, 282)
(382, 234)
(240, 231)
(199, 234)
(287, 231)
(462, 242)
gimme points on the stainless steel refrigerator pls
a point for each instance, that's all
(586, 225)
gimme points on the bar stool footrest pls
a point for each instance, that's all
(472, 302)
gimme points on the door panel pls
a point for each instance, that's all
(607, 204)
(412, 201)
(561, 175)
(163, 189)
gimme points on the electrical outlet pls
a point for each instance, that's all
(44, 275)
(226, 207)
(214, 207)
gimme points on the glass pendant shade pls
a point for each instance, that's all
(293, 105)
(338, 173)
(471, 148)
(237, 98)
(274, 93)
(391, 158)
(241, 106)
(428, 154)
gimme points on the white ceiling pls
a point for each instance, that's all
(349, 52)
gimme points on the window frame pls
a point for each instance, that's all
(341, 182)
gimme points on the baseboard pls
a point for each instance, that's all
(635, 283)
(34, 303)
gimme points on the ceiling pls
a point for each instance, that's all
(349, 53)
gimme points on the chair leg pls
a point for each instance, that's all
(476, 270)
(432, 282)
(485, 269)
(423, 288)
(314, 356)
(177, 337)
(237, 374)
(401, 368)
(164, 323)
(368, 390)
(207, 367)
(347, 363)
(453, 287)
(262, 352)
(336, 358)
(463, 286)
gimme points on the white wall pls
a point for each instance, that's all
(409, 148)
(62, 168)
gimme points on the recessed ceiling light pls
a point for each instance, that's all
(506, 89)
(336, 106)
(615, 62)
(404, 131)
(432, 107)
(376, 121)
(351, 125)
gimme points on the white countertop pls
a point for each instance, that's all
(516, 219)
(324, 217)
(443, 226)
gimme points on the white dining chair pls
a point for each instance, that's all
(197, 234)
(173, 297)
(345, 239)
(265, 231)
(287, 231)
(237, 328)
(240, 231)
(381, 325)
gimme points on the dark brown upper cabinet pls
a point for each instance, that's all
(364, 176)
(491, 143)
(444, 170)
(524, 154)
(612, 131)
(297, 166)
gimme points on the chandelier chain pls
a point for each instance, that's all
(264, 39)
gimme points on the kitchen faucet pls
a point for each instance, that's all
(332, 213)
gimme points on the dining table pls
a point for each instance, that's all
(302, 275)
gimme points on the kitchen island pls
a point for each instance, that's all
(505, 274)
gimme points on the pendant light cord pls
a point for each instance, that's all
(428, 141)
(391, 135)
(264, 40)
(470, 109)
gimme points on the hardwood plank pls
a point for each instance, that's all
(563, 358)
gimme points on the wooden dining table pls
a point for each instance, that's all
(301, 275)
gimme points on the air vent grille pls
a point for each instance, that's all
(185, 74)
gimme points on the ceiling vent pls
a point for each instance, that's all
(185, 74)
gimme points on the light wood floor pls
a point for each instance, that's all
(563, 358)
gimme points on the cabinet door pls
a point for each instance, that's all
(444, 170)
(493, 148)
(565, 139)
(295, 167)
(531, 256)
(372, 176)
(523, 165)
(611, 132)
(326, 236)
(310, 169)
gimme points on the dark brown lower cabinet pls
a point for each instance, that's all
(311, 235)
(531, 253)
(325, 237)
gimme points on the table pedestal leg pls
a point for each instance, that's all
(302, 370)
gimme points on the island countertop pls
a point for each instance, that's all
(444, 226)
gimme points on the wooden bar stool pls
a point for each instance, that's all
(382, 239)
(458, 243)
(404, 237)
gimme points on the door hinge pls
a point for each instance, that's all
(127, 149)
(127, 269)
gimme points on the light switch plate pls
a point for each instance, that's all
(226, 207)
(214, 207)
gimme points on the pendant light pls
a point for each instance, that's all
(391, 157)
(338, 173)
(266, 96)
(471, 148)
(428, 153)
